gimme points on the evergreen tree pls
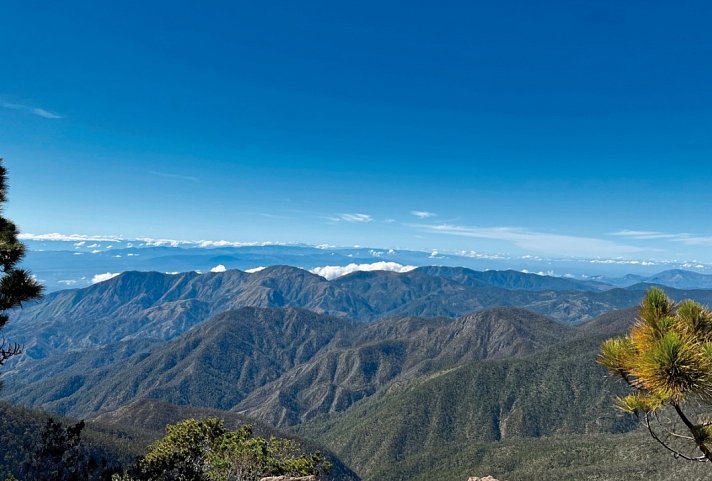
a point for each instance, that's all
(204, 450)
(59, 454)
(16, 285)
(666, 359)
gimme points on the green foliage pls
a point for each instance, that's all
(204, 450)
(16, 285)
(404, 432)
(60, 455)
(666, 360)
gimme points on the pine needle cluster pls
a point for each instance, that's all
(666, 359)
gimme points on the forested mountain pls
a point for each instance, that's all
(393, 372)
(114, 439)
(556, 391)
(161, 306)
(217, 364)
(511, 279)
(394, 351)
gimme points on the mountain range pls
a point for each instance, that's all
(393, 372)
(62, 262)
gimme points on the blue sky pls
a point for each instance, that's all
(551, 128)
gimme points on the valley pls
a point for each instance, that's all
(397, 374)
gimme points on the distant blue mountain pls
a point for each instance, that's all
(68, 264)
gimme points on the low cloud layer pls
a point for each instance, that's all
(218, 268)
(255, 269)
(332, 272)
(104, 277)
(79, 238)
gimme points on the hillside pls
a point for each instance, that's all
(21, 428)
(391, 392)
(214, 365)
(149, 417)
(511, 279)
(116, 438)
(281, 366)
(557, 391)
(393, 351)
(140, 305)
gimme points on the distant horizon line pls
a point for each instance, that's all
(80, 241)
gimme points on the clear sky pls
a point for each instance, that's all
(557, 128)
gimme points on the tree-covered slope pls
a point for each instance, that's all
(150, 305)
(557, 391)
(215, 365)
(511, 279)
(396, 350)
(114, 439)
(148, 418)
(281, 366)
(631, 456)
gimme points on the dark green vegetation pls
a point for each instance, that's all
(114, 440)
(403, 376)
(28, 439)
(16, 285)
(204, 450)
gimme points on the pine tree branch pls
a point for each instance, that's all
(8, 350)
(695, 433)
(676, 453)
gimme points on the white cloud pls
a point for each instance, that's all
(46, 114)
(104, 277)
(225, 243)
(67, 282)
(543, 242)
(483, 255)
(332, 272)
(255, 269)
(218, 268)
(80, 240)
(68, 237)
(353, 218)
(96, 251)
(169, 175)
(682, 237)
(174, 273)
(627, 262)
(422, 214)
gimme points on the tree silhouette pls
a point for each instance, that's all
(16, 285)
(666, 359)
